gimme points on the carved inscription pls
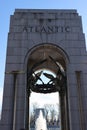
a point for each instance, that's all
(49, 29)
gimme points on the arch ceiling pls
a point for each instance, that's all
(44, 52)
(46, 57)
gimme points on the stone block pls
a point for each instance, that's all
(78, 59)
(8, 91)
(83, 51)
(74, 44)
(72, 36)
(10, 36)
(14, 67)
(72, 51)
(17, 36)
(21, 91)
(75, 117)
(20, 104)
(74, 22)
(73, 90)
(74, 103)
(14, 43)
(77, 67)
(84, 89)
(71, 78)
(20, 117)
(84, 103)
(21, 78)
(8, 78)
(81, 36)
(20, 52)
(10, 51)
(7, 103)
(60, 23)
(76, 127)
(17, 29)
(56, 38)
(15, 59)
(76, 29)
(5, 127)
(5, 120)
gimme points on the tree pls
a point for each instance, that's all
(47, 108)
(51, 111)
(32, 114)
(32, 119)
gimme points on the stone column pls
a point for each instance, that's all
(27, 124)
(27, 114)
(63, 109)
(14, 99)
(80, 100)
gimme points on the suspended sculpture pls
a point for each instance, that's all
(55, 84)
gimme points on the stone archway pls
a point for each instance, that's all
(28, 28)
(49, 56)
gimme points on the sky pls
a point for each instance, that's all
(7, 8)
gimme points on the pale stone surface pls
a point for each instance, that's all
(61, 32)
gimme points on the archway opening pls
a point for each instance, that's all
(48, 102)
(52, 58)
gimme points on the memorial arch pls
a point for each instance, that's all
(53, 58)
(45, 39)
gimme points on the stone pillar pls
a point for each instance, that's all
(63, 110)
